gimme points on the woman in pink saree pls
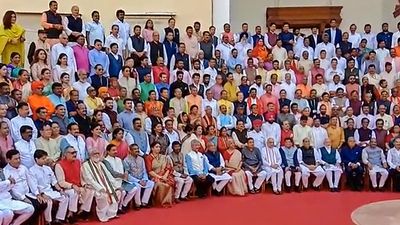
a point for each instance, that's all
(233, 162)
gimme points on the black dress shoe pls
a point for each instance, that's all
(297, 189)
(381, 189)
(288, 189)
(317, 188)
(252, 191)
(332, 190)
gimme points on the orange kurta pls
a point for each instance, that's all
(36, 101)
(151, 106)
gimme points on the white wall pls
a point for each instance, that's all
(359, 12)
(220, 13)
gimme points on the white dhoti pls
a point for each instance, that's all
(127, 196)
(73, 198)
(220, 181)
(105, 209)
(62, 206)
(86, 199)
(6, 216)
(276, 176)
(384, 175)
(261, 176)
(182, 186)
(318, 172)
(288, 176)
(333, 174)
(22, 210)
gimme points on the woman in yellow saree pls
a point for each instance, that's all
(11, 38)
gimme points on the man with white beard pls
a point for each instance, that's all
(319, 134)
(272, 161)
(106, 192)
(117, 168)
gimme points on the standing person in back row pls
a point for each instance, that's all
(73, 25)
(51, 21)
(335, 34)
(124, 28)
(171, 28)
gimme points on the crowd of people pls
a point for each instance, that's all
(147, 117)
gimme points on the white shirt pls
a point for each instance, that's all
(79, 145)
(390, 77)
(242, 49)
(17, 122)
(387, 119)
(381, 54)
(260, 89)
(213, 104)
(124, 31)
(186, 77)
(24, 184)
(96, 31)
(272, 131)
(330, 73)
(213, 73)
(342, 63)
(280, 54)
(57, 49)
(26, 150)
(308, 49)
(333, 87)
(371, 118)
(290, 89)
(328, 47)
(371, 39)
(110, 39)
(393, 157)
(81, 88)
(225, 50)
(354, 39)
(172, 136)
(117, 166)
(300, 132)
(145, 47)
(45, 179)
(270, 157)
(320, 88)
(319, 135)
(259, 139)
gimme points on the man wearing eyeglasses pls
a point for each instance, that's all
(68, 174)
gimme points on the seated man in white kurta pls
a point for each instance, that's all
(6, 216)
(9, 207)
(95, 174)
(330, 160)
(45, 179)
(25, 188)
(310, 162)
(374, 158)
(216, 165)
(272, 165)
(118, 170)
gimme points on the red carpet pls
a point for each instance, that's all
(310, 208)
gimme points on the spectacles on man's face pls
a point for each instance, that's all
(73, 153)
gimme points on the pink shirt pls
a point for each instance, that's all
(147, 35)
(98, 143)
(82, 57)
(6, 144)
